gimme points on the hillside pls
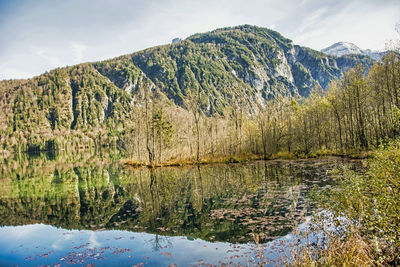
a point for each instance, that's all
(94, 102)
(223, 63)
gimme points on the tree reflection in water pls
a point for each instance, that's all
(236, 203)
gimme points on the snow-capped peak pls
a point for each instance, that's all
(342, 48)
(345, 48)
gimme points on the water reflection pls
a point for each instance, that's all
(239, 203)
(25, 245)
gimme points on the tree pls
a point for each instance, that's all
(163, 129)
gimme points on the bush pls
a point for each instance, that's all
(370, 200)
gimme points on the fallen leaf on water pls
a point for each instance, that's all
(166, 254)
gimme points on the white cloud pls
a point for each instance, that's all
(101, 29)
(13, 73)
(53, 60)
(93, 240)
(78, 49)
(363, 26)
(312, 19)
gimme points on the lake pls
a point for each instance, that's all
(95, 212)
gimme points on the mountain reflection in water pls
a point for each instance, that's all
(231, 203)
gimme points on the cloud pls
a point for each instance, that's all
(312, 19)
(366, 26)
(14, 73)
(53, 60)
(78, 49)
(93, 240)
(69, 32)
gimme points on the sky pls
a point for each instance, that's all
(40, 35)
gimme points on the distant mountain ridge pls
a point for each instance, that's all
(346, 48)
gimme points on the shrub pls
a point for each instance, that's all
(370, 200)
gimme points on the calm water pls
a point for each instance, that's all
(95, 212)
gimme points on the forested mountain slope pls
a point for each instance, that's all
(96, 102)
(254, 62)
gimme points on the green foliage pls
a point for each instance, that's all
(370, 200)
(163, 126)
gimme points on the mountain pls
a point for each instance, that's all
(245, 64)
(257, 60)
(345, 48)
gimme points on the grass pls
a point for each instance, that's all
(185, 162)
(351, 251)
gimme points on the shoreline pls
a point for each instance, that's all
(241, 159)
